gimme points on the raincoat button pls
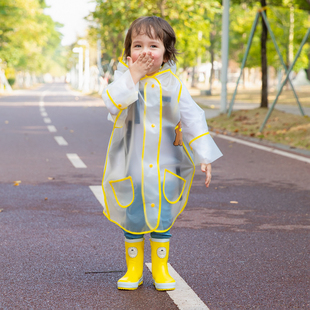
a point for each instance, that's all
(153, 205)
(153, 86)
(153, 125)
(151, 166)
(119, 105)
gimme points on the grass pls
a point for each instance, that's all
(284, 128)
(254, 95)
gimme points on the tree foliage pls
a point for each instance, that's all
(279, 20)
(28, 37)
(189, 18)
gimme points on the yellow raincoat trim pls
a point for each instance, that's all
(120, 59)
(190, 185)
(105, 167)
(160, 135)
(142, 157)
(158, 152)
(173, 202)
(161, 72)
(119, 106)
(204, 134)
(133, 192)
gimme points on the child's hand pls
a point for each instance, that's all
(206, 168)
(141, 66)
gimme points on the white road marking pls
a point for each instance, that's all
(60, 140)
(265, 148)
(76, 161)
(42, 109)
(44, 114)
(41, 103)
(51, 128)
(183, 296)
(97, 191)
(47, 120)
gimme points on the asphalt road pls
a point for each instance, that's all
(57, 250)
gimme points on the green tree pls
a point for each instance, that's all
(28, 37)
(187, 17)
(278, 14)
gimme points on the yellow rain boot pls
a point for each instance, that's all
(134, 259)
(160, 253)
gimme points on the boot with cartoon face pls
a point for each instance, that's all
(160, 253)
(134, 259)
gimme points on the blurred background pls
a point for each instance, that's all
(79, 41)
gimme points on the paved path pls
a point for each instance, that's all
(212, 107)
(241, 244)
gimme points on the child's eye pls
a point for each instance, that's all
(137, 45)
(154, 46)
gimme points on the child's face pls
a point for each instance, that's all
(143, 43)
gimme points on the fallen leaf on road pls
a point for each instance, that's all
(1, 210)
(16, 183)
(71, 130)
(233, 201)
(45, 198)
(50, 178)
(6, 122)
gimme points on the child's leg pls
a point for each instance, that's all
(134, 248)
(161, 235)
(160, 253)
(132, 236)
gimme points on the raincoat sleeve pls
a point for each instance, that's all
(195, 130)
(118, 95)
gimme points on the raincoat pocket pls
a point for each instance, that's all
(123, 191)
(173, 186)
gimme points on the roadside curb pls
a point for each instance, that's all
(263, 142)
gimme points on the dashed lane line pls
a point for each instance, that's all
(44, 114)
(76, 161)
(42, 109)
(47, 120)
(183, 296)
(51, 128)
(97, 191)
(60, 140)
(265, 148)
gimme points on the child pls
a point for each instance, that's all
(149, 167)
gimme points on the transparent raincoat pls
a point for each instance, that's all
(158, 137)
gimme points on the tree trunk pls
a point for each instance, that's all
(212, 36)
(161, 5)
(264, 95)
